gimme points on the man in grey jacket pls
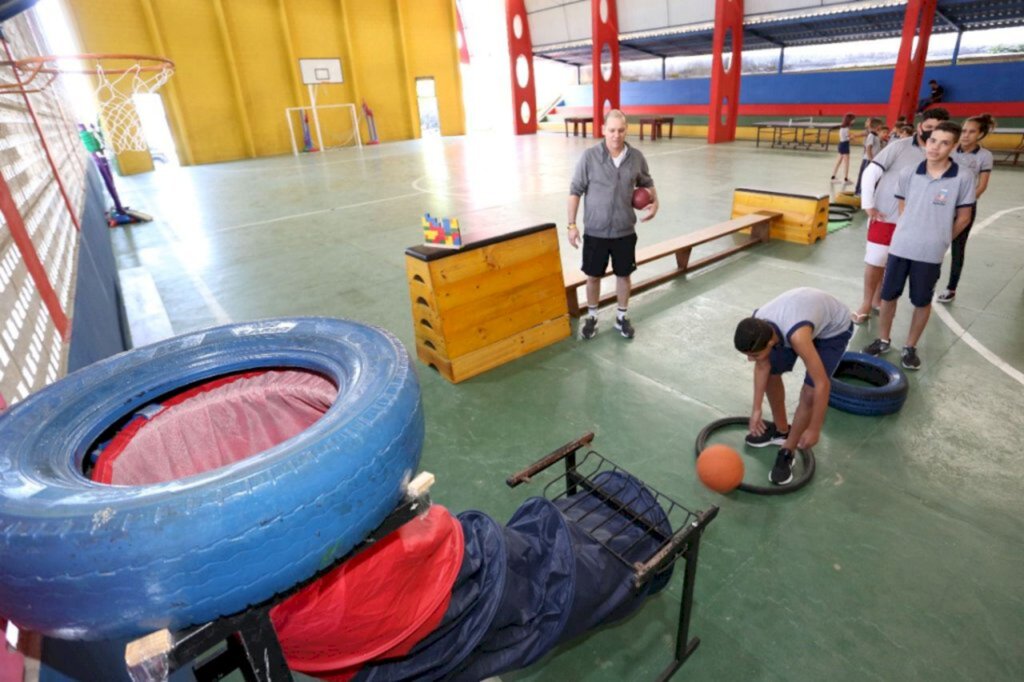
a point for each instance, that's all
(607, 174)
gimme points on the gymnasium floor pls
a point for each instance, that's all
(901, 561)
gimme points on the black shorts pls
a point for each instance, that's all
(597, 250)
(923, 277)
(844, 147)
(830, 350)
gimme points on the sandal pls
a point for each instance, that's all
(859, 318)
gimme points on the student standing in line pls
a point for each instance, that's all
(878, 199)
(935, 200)
(970, 155)
(872, 145)
(903, 131)
(844, 148)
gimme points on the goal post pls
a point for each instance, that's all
(322, 127)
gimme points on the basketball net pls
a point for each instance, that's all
(119, 77)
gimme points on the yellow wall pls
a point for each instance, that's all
(237, 69)
(431, 50)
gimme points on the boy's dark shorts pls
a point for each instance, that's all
(923, 278)
(830, 350)
(597, 251)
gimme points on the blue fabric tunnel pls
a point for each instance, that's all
(543, 579)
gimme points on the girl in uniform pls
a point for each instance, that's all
(844, 148)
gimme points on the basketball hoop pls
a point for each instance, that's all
(118, 78)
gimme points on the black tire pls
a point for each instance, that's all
(83, 560)
(799, 481)
(887, 391)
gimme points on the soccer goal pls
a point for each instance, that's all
(319, 127)
(322, 127)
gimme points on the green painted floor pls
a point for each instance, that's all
(903, 560)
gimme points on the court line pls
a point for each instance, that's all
(965, 335)
(232, 228)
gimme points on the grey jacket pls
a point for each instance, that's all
(608, 207)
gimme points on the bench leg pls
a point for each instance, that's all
(572, 298)
(761, 231)
(682, 258)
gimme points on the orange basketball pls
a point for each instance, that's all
(720, 468)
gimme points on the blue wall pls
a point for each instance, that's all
(1002, 82)
(97, 322)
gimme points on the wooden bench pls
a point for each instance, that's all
(576, 121)
(656, 123)
(759, 225)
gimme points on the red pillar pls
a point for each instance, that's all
(906, 79)
(725, 83)
(605, 33)
(30, 258)
(520, 52)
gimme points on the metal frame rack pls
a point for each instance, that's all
(684, 541)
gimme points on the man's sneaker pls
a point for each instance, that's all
(877, 347)
(946, 296)
(782, 472)
(771, 436)
(909, 358)
(589, 330)
(625, 327)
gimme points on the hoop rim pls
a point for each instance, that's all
(37, 65)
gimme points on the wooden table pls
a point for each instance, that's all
(496, 299)
(799, 133)
(576, 121)
(656, 122)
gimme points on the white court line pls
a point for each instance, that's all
(678, 151)
(219, 314)
(966, 336)
(343, 207)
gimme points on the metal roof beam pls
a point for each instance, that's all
(555, 59)
(762, 36)
(640, 49)
(942, 15)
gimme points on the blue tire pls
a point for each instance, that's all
(83, 560)
(885, 394)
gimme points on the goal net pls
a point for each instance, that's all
(323, 127)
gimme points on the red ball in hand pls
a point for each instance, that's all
(642, 198)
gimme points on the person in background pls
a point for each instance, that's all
(937, 92)
(972, 156)
(872, 145)
(844, 148)
(883, 135)
(903, 131)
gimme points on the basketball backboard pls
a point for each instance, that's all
(316, 71)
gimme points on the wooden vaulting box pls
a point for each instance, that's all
(488, 303)
(803, 218)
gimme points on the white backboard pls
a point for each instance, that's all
(315, 71)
